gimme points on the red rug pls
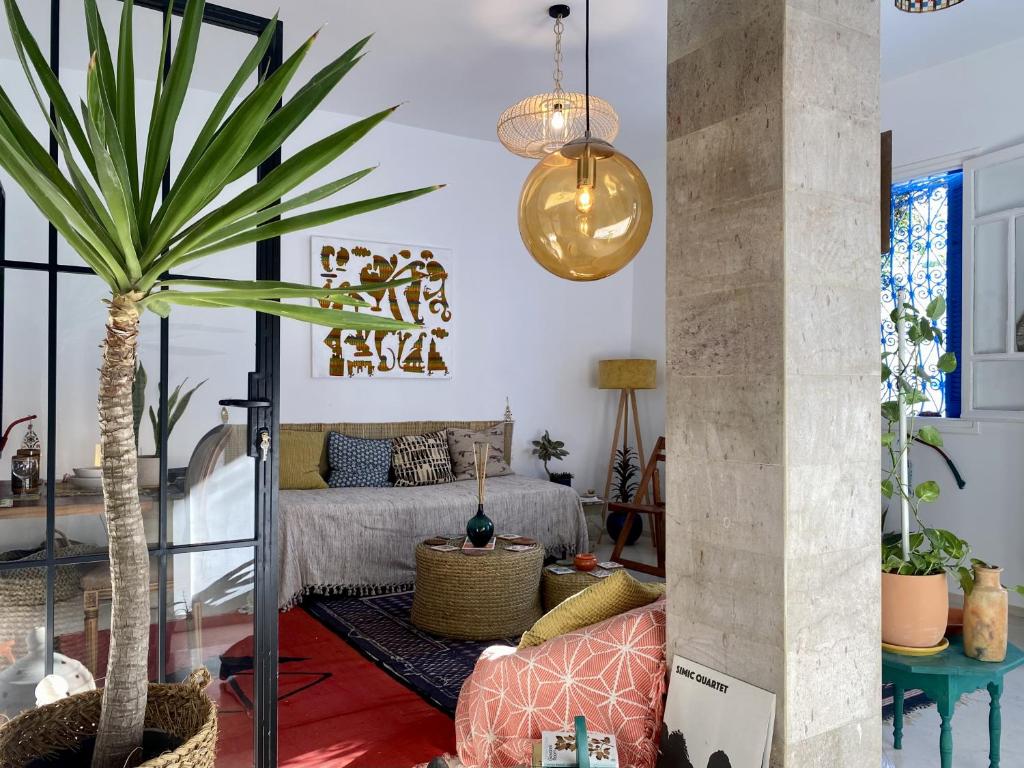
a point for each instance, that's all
(335, 708)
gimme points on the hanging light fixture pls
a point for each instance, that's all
(541, 124)
(585, 209)
(924, 6)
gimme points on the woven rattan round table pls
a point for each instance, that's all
(556, 587)
(477, 597)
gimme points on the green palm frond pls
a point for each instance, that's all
(104, 198)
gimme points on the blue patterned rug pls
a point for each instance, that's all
(435, 667)
(378, 627)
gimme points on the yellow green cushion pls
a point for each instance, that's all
(609, 597)
(300, 460)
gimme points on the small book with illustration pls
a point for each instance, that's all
(557, 749)
(467, 546)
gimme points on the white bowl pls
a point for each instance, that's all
(88, 483)
(88, 471)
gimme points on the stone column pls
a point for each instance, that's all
(773, 361)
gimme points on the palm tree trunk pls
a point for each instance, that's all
(119, 735)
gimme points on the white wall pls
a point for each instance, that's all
(965, 104)
(969, 104)
(648, 338)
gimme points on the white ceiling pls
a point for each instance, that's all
(455, 65)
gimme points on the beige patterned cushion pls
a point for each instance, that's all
(421, 459)
(460, 446)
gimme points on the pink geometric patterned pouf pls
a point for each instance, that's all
(613, 673)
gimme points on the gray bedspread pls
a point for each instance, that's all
(362, 540)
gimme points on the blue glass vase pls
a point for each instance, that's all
(479, 529)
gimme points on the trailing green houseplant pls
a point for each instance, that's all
(917, 549)
(105, 201)
(547, 449)
(915, 598)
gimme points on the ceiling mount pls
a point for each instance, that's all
(556, 11)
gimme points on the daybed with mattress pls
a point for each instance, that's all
(362, 540)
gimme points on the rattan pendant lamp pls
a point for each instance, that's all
(541, 124)
(585, 209)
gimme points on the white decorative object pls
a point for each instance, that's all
(424, 353)
(50, 689)
(19, 682)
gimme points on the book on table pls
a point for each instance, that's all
(557, 749)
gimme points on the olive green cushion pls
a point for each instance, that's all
(609, 597)
(300, 460)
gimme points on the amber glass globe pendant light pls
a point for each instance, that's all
(585, 210)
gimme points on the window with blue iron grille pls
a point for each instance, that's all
(925, 261)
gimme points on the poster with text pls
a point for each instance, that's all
(713, 720)
(422, 298)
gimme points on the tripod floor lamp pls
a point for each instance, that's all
(627, 376)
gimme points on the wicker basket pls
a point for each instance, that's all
(183, 711)
(27, 586)
(557, 587)
(480, 597)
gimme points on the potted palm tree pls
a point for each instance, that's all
(104, 203)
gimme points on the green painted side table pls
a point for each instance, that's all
(945, 677)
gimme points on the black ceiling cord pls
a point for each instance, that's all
(960, 482)
(586, 64)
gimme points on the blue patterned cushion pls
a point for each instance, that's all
(358, 462)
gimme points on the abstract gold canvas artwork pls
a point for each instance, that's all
(425, 353)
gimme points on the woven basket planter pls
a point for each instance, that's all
(183, 711)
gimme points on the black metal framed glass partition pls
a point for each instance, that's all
(207, 424)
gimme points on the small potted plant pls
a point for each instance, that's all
(626, 483)
(177, 402)
(547, 450)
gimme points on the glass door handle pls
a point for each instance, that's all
(234, 403)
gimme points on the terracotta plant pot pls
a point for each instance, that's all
(914, 609)
(986, 611)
